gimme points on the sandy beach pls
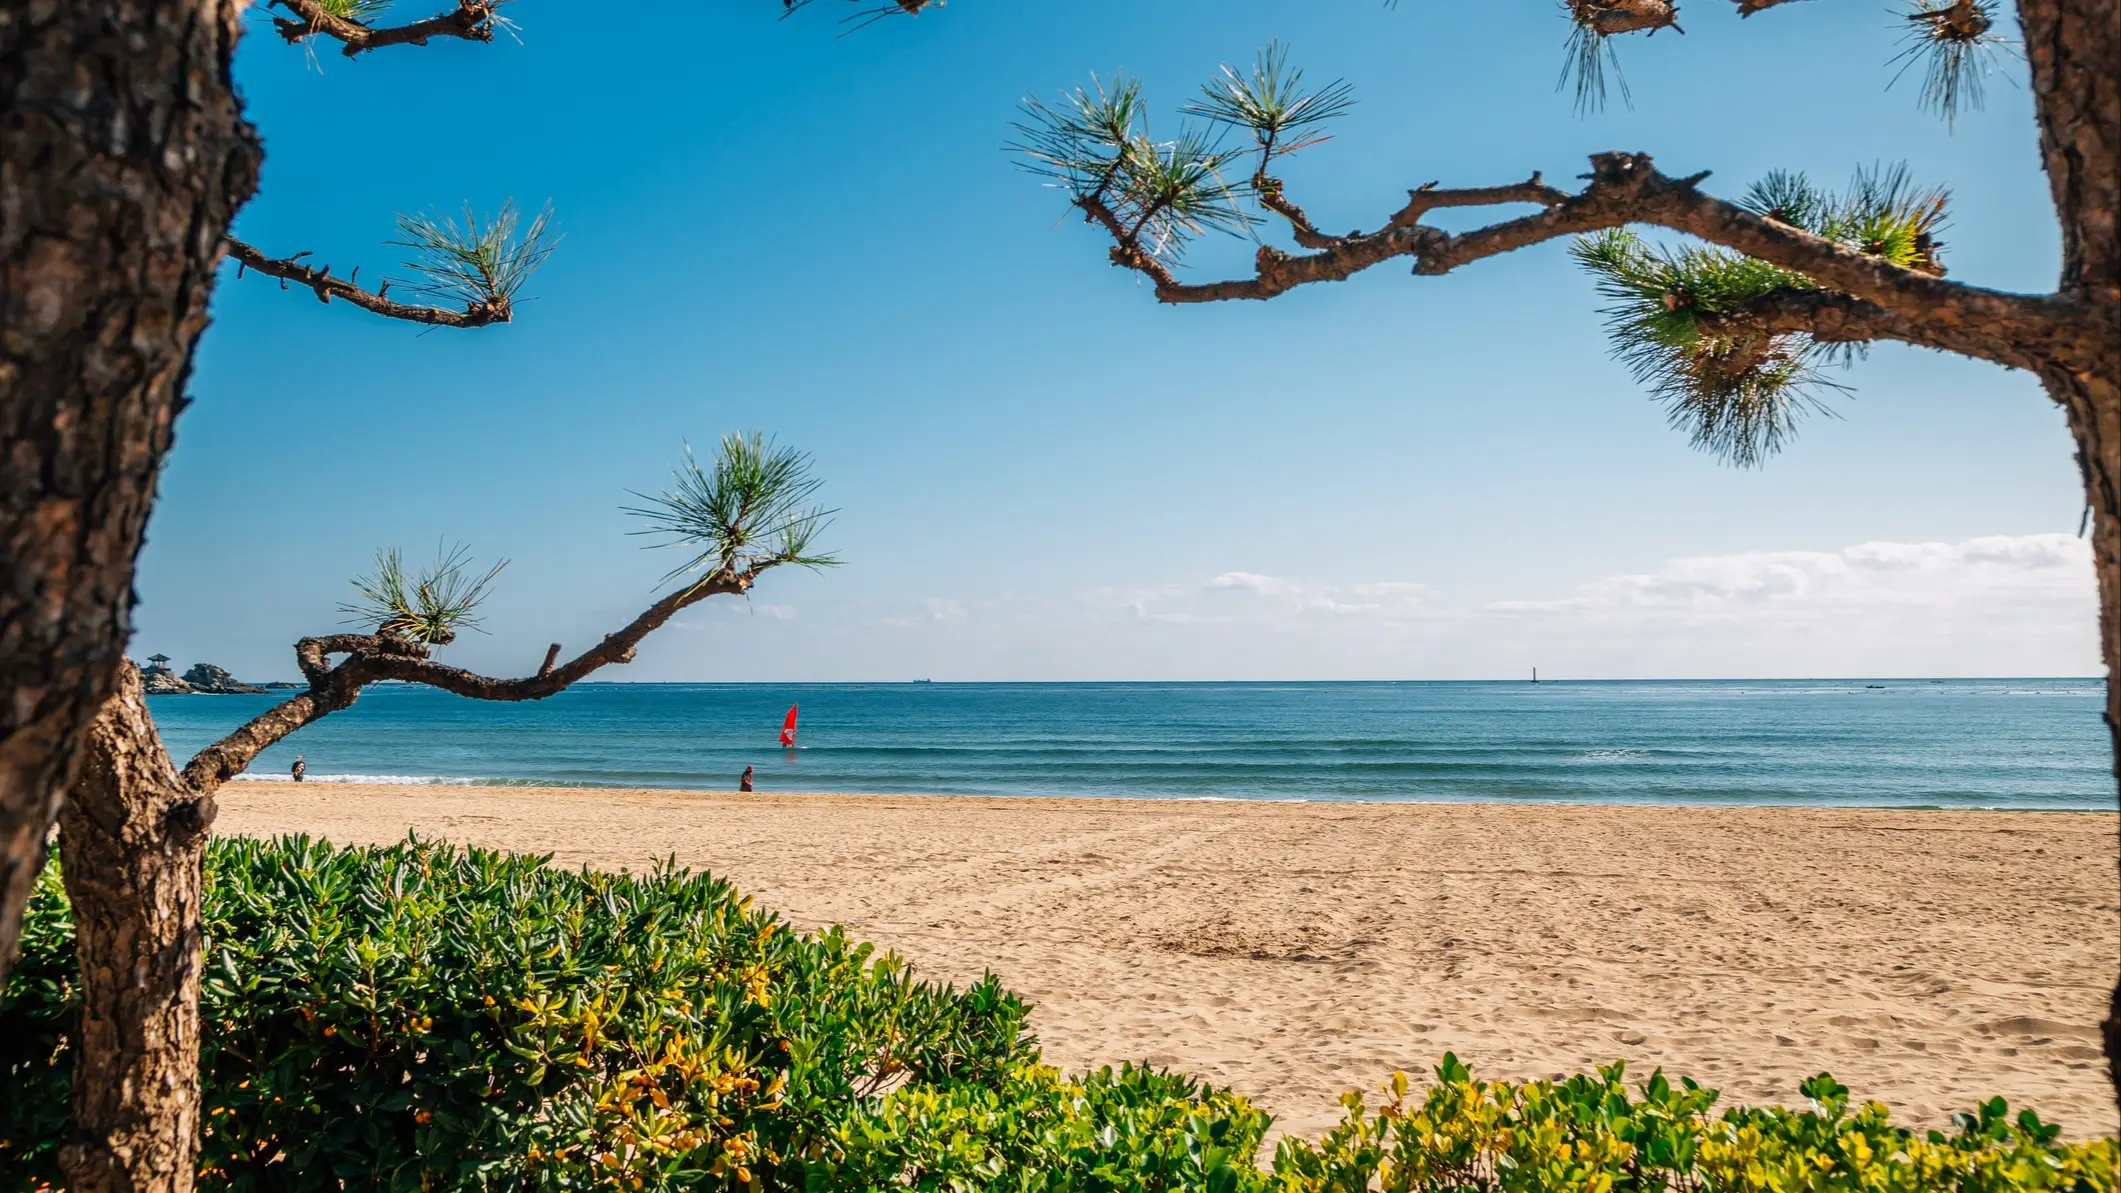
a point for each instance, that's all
(1929, 959)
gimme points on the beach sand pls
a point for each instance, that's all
(1929, 959)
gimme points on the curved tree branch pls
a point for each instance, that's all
(1832, 318)
(1626, 188)
(473, 20)
(374, 657)
(327, 287)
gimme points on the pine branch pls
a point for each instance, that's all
(749, 515)
(1626, 188)
(750, 510)
(472, 20)
(871, 15)
(327, 287)
(1747, 8)
(371, 658)
(428, 606)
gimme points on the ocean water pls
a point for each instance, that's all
(1902, 743)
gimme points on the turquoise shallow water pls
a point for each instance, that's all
(1949, 743)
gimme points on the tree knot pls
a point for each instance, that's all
(1129, 256)
(187, 821)
(1628, 170)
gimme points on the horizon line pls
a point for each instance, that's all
(1528, 682)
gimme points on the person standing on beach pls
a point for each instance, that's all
(743, 782)
(297, 769)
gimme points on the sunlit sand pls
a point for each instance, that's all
(1930, 959)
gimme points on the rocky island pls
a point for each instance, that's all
(203, 678)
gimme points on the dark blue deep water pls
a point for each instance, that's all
(1950, 743)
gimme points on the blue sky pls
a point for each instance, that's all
(1043, 473)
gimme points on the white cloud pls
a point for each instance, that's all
(2001, 605)
(1383, 597)
(1938, 577)
(942, 610)
(1995, 605)
(1986, 606)
(1252, 582)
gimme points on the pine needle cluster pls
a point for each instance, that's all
(481, 263)
(1684, 319)
(1271, 103)
(749, 510)
(429, 606)
(1095, 144)
(1958, 43)
(1590, 54)
(361, 12)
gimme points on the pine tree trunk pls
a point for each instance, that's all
(125, 157)
(2073, 48)
(131, 841)
(2094, 406)
(2093, 401)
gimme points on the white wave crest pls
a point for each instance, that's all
(376, 780)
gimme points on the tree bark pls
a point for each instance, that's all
(132, 840)
(2094, 407)
(2073, 48)
(2093, 401)
(126, 156)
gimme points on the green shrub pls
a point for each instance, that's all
(1107, 1132)
(415, 1018)
(1591, 1134)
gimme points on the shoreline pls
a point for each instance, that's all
(1929, 959)
(452, 783)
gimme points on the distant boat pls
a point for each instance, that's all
(923, 681)
(1535, 675)
(788, 728)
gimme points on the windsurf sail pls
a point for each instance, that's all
(788, 727)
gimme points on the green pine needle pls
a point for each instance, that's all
(1958, 42)
(1095, 145)
(430, 606)
(482, 262)
(359, 11)
(749, 510)
(1738, 393)
(1086, 141)
(1790, 197)
(1272, 103)
(1176, 191)
(1677, 317)
(1584, 62)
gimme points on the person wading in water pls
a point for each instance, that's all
(743, 782)
(297, 770)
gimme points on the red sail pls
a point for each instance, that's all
(788, 727)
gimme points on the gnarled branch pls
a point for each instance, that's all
(370, 658)
(327, 287)
(1832, 318)
(472, 20)
(1626, 188)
